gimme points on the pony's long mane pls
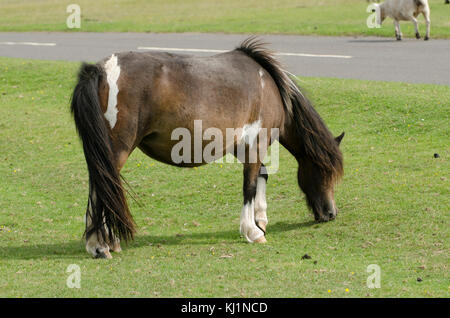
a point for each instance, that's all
(317, 142)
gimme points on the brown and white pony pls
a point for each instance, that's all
(132, 99)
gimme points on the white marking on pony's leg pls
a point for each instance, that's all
(93, 244)
(248, 227)
(250, 132)
(398, 33)
(426, 14)
(261, 204)
(112, 70)
(416, 27)
(95, 248)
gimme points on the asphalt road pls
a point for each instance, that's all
(369, 58)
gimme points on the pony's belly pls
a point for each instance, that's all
(161, 148)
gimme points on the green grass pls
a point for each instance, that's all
(318, 17)
(393, 200)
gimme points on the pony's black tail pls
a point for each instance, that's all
(107, 206)
(316, 141)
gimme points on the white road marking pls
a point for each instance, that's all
(316, 55)
(28, 43)
(174, 49)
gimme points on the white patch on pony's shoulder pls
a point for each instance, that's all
(112, 70)
(250, 132)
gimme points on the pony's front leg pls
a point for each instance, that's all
(398, 32)
(260, 199)
(426, 14)
(248, 227)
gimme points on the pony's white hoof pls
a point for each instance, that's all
(252, 233)
(261, 240)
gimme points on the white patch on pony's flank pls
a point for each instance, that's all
(261, 74)
(248, 228)
(250, 132)
(112, 70)
(260, 201)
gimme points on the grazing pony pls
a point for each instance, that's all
(405, 10)
(137, 100)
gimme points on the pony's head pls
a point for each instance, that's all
(318, 182)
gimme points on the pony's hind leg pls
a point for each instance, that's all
(416, 27)
(122, 157)
(260, 199)
(94, 243)
(248, 228)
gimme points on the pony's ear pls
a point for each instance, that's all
(339, 138)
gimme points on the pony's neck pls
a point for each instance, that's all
(322, 153)
(289, 138)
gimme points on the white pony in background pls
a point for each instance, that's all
(404, 10)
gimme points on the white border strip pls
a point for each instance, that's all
(174, 49)
(28, 43)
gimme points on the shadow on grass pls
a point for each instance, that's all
(75, 248)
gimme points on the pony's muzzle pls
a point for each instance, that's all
(332, 214)
(102, 253)
(327, 214)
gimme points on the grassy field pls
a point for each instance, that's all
(319, 17)
(394, 203)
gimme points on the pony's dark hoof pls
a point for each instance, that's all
(399, 38)
(426, 38)
(417, 36)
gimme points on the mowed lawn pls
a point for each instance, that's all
(319, 17)
(393, 200)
